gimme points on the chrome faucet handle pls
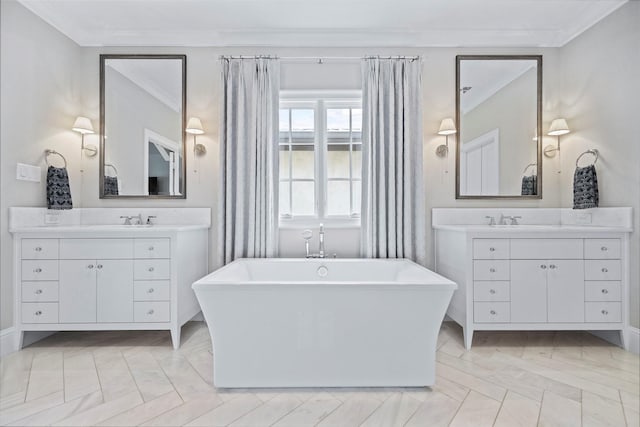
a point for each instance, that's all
(514, 220)
(150, 219)
(492, 220)
(127, 219)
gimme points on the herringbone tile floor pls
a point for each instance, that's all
(136, 378)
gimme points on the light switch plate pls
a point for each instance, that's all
(26, 172)
(583, 218)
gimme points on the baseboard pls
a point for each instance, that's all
(633, 335)
(9, 339)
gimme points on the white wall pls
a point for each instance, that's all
(67, 81)
(600, 95)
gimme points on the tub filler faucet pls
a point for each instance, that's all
(306, 235)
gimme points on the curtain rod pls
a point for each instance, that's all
(318, 59)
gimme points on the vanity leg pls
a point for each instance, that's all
(468, 337)
(175, 337)
(20, 340)
(624, 342)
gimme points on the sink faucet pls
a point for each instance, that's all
(137, 219)
(503, 219)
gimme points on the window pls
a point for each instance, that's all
(320, 158)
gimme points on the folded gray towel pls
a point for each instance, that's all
(585, 188)
(58, 191)
(110, 185)
(529, 185)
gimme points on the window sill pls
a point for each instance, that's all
(302, 223)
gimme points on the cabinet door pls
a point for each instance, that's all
(77, 291)
(565, 290)
(528, 291)
(115, 290)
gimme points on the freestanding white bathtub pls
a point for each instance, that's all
(323, 323)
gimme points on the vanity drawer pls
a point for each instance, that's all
(39, 249)
(547, 249)
(152, 290)
(602, 312)
(39, 270)
(151, 248)
(602, 270)
(491, 291)
(491, 312)
(491, 270)
(602, 248)
(39, 291)
(151, 269)
(491, 248)
(40, 312)
(602, 291)
(96, 248)
(151, 312)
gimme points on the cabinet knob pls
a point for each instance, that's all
(151, 268)
(99, 266)
(552, 266)
(38, 249)
(492, 270)
(604, 291)
(38, 313)
(605, 312)
(493, 312)
(492, 291)
(38, 291)
(604, 270)
(90, 266)
(604, 248)
(150, 312)
(150, 248)
(150, 291)
(492, 249)
(542, 266)
(37, 270)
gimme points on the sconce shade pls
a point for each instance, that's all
(447, 127)
(194, 126)
(83, 125)
(558, 127)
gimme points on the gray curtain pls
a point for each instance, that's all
(249, 158)
(392, 186)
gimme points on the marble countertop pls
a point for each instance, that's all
(110, 228)
(532, 228)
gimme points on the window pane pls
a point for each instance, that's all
(284, 120)
(303, 198)
(338, 161)
(302, 120)
(357, 196)
(356, 119)
(284, 162)
(338, 198)
(303, 161)
(284, 198)
(337, 119)
(356, 161)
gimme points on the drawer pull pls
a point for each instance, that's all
(552, 266)
(150, 312)
(492, 249)
(90, 266)
(38, 249)
(150, 248)
(150, 291)
(493, 312)
(38, 291)
(151, 269)
(604, 249)
(542, 266)
(492, 291)
(604, 291)
(37, 270)
(605, 312)
(99, 266)
(38, 313)
(492, 270)
(604, 270)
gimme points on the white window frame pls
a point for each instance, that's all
(319, 101)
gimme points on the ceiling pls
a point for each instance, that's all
(323, 23)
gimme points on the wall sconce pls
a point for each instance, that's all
(558, 127)
(194, 127)
(83, 126)
(447, 127)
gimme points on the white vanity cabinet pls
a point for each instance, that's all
(534, 277)
(97, 278)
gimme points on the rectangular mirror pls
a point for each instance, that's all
(499, 114)
(142, 121)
